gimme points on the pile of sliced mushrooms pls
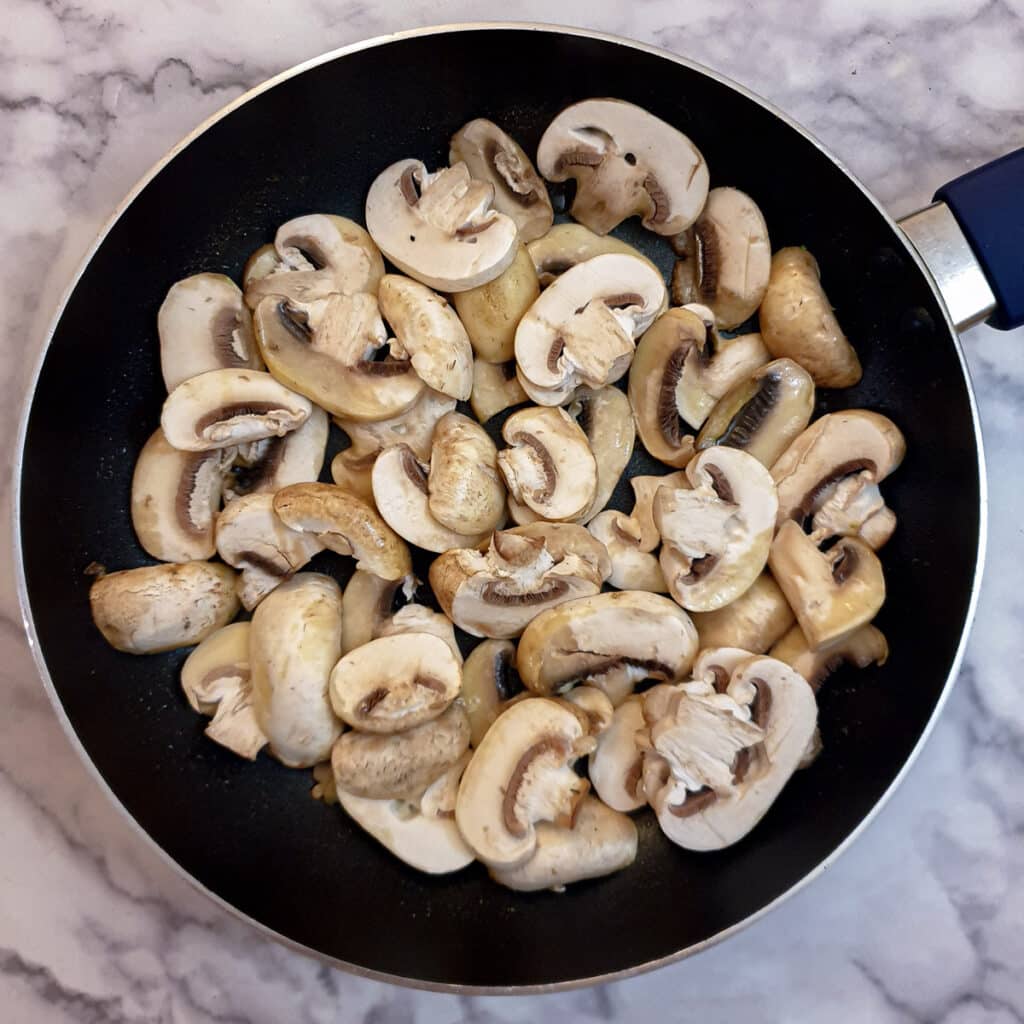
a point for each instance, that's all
(675, 651)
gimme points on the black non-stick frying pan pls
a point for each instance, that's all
(250, 834)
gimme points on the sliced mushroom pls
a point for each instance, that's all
(595, 704)
(161, 607)
(294, 643)
(549, 466)
(762, 414)
(252, 538)
(366, 607)
(493, 156)
(203, 325)
(229, 407)
(496, 592)
(831, 473)
(754, 621)
(175, 499)
(611, 641)
(832, 593)
(616, 767)
(439, 228)
(864, 646)
(520, 775)
(607, 421)
(797, 321)
(600, 842)
(401, 765)
(346, 524)
(495, 388)
(581, 330)
(314, 256)
(488, 680)
(715, 665)
(632, 568)
(716, 536)
(417, 618)
(724, 258)
(326, 350)
(567, 244)
(644, 490)
(625, 161)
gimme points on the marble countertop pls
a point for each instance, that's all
(922, 920)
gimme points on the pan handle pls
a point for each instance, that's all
(972, 240)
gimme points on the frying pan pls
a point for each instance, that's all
(249, 834)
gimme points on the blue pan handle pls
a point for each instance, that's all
(988, 204)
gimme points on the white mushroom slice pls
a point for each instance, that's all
(797, 321)
(520, 775)
(496, 592)
(715, 665)
(831, 592)
(625, 161)
(616, 766)
(401, 765)
(754, 621)
(229, 407)
(612, 641)
(203, 325)
(216, 681)
(549, 466)
(294, 643)
(276, 462)
(863, 647)
(315, 256)
(644, 490)
(251, 537)
(417, 618)
(175, 498)
(582, 328)
(632, 568)
(607, 421)
(439, 228)
(487, 682)
(395, 683)
(465, 490)
(346, 524)
(725, 258)
(491, 155)
(600, 842)
(161, 607)
(567, 244)
(366, 606)
(594, 703)
(716, 535)
(495, 388)
(400, 491)
(260, 264)
(718, 760)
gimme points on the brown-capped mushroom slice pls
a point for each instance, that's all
(221, 408)
(616, 766)
(632, 568)
(626, 162)
(753, 622)
(567, 244)
(401, 765)
(600, 842)
(439, 228)
(521, 775)
(252, 538)
(832, 593)
(418, 618)
(613, 641)
(495, 389)
(595, 704)
(294, 643)
(203, 325)
(316, 255)
(346, 524)
(763, 413)
(216, 681)
(525, 570)
(465, 490)
(491, 155)
(549, 466)
(326, 351)
(724, 258)
(797, 321)
(162, 607)
(607, 420)
(864, 646)
(831, 473)
(488, 680)
(366, 606)
(716, 535)
(581, 330)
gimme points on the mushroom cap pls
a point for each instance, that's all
(607, 420)
(753, 622)
(487, 682)
(161, 607)
(863, 647)
(203, 325)
(495, 388)
(716, 535)
(418, 618)
(616, 766)
(294, 644)
(521, 774)
(598, 639)
(567, 244)
(549, 466)
(632, 568)
(625, 161)
(493, 156)
(366, 606)
(439, 228)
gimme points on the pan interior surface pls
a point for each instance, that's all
(250, 833)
